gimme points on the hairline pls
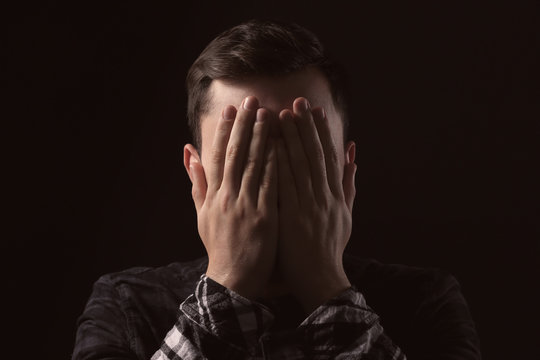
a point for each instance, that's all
(210, 105)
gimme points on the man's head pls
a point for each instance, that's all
(259, 50)
(276, 63)
(257, 81)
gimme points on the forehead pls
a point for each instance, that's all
(274, 93)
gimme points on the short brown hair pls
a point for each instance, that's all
(259, 47)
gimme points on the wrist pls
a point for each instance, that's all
(242, 285)
(319, 289)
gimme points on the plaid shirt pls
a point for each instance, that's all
(217, 323)
(131, 312)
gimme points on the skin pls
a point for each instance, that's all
(274, 187)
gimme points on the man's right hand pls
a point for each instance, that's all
(236, 200)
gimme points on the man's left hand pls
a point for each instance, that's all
(315, 206)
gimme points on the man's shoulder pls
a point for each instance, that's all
(379, 281)
(178, 277)
(408, 299)
(370, 276)
(365, 271)
(141, 303)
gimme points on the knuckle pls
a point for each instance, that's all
(318, 154)
(251, 164)
(242, 212)
(266, 183)
(216, 155)
(263, 219)
(333, 153)
(259, 220)
(267, 180)
(233, 150)
(324, 204)
(224, 202)
(265, 186)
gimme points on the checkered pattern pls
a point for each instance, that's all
(343, 328)
(130, 313)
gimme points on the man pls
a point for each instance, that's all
(273, 186)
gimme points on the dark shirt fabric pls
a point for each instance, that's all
(421, 310)
(218, 323)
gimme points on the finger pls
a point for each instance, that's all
(219, 147)
(349, 188)
(198, 188)
(312, 146)
(268, 190)
(238, 143)
(255, 158)
(331, 158)
(288, 197)
(300, 172)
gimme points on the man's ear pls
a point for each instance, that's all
(191, 156)
(350, 152)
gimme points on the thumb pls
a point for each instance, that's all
(349, 188)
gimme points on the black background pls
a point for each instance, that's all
(445, 116)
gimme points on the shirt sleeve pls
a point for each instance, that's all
(346, 328)
(444, 327)
(216, 323)
(342, 328)
(101, 329)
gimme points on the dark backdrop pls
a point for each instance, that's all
(445, 116)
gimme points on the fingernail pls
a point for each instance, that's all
(251, 103)
(286, 115)
(229, 113)
(304, 105)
